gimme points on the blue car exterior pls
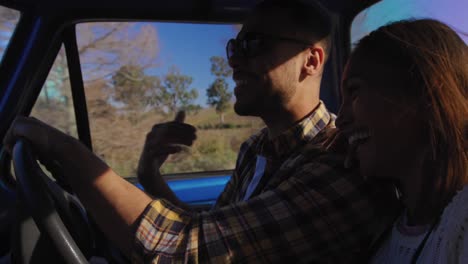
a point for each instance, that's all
(201, 191)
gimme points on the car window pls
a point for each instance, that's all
(55, 104)
(140, 74)
(8, 20)
(451, 12)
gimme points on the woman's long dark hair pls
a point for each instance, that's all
(435, 61)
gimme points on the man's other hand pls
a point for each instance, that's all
(164, 139)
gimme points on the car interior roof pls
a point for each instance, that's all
(222, 11)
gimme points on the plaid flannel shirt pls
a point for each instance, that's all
(306, 209)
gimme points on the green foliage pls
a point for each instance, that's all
(210, 153)
(223, 126)
(140, 92)
(135, 89)
(176, 93)
(219, 96)
(218, 92)
(219, 67)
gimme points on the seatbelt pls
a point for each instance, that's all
(259, 171)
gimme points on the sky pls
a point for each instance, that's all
(189, 46)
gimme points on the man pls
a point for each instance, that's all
(277, 60)
(287, 200)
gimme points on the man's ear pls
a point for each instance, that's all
(315, 59)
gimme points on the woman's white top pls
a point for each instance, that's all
(448, 242)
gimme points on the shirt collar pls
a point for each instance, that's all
(303, 131)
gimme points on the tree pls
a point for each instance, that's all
(218, 92)
(135, 90)
(104, 49)
(219, 97)
(176, 93)
(107, 46)
(220, 67)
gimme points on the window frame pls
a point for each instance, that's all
(77, 86)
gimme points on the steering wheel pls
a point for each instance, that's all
(57, 213)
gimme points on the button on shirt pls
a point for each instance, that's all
(305, 208)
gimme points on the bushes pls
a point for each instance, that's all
(212, 151)
(120, 146)
(223, 126)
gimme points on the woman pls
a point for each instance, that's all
(405, 115)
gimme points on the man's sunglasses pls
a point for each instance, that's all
(252, 44)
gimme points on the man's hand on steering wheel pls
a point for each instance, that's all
(46, 140)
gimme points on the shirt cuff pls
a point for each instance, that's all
(160, 228)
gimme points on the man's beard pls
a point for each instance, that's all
(251, 108)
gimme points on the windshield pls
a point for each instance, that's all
(451, 12)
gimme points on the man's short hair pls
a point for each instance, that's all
(309, 16)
